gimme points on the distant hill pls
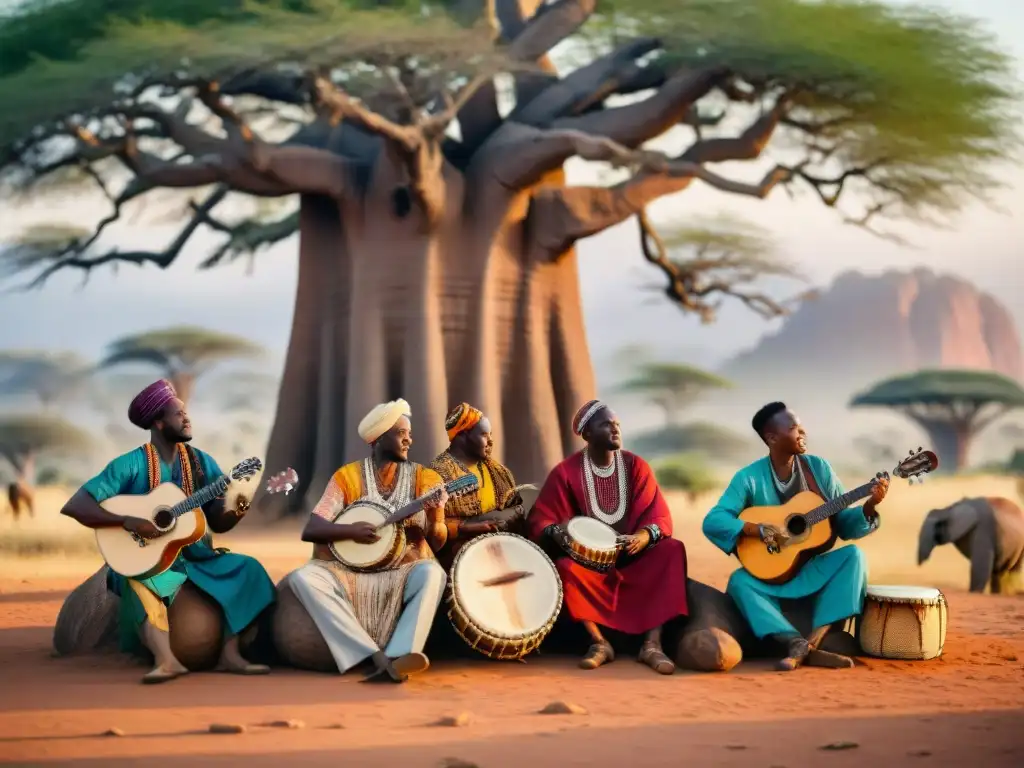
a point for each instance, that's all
(863, 328)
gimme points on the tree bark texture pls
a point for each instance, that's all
(465, 310)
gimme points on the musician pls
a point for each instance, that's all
(383, 616)
(469, 452)
(647, 587)
(836, 581)
(237, 583)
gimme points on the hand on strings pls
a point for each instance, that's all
(878, 493)
(140, 527)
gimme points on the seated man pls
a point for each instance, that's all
(647, 587)
(495, 505)
(237, 583)
(836, 581)
(385, 615)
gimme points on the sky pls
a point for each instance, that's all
(982, 244)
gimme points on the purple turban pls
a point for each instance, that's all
(150, 403)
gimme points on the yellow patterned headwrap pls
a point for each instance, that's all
(462, 418)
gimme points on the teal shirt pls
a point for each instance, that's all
(129, 474)
(753, 486)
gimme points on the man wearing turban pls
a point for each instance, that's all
(237, 583)
(647, 586)
(495, 505)
(383, 616)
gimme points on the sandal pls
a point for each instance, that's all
(247, 669)
(597, 655)
(828, 660)
(160, 675)
(655, 658)
(799, 650)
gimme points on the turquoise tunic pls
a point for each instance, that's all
(237, 583)
(836, 580)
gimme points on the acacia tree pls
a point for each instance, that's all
(951, 406)
(182, 353)
(437, 232)
(49, 377)
(24, 438)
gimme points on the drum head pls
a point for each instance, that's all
(592, 533)
(364, 554)
(894, 592)
(529, 599)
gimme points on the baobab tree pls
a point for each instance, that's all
(437, 232)
(951, 406)
(182, 354)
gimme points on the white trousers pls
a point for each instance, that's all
(324, 598)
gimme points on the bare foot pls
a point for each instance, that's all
(234, 664)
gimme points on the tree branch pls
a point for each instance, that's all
(634, 124)
(585, 86)
(339, 106)
(549, 26)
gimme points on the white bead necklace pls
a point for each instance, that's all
(616, 467)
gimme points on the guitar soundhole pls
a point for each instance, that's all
(796, 525)
(163, 519)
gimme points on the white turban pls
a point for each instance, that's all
(382, 418)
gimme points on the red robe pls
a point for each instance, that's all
(638, 595)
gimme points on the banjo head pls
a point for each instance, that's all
(506, 585)
(364, 555)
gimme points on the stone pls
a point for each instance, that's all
(225, 728)
(197, 629)
(113, 732)
(456, 762)
(296, 637)
(563, 708)
(291, 725)
(87, 622)
(839, 746)
(460, 720)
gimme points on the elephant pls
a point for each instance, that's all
(987, 530)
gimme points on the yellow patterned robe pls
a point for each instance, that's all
(495, 491)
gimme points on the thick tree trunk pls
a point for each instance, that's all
(459, 309)
(309, 427)
(950, 443)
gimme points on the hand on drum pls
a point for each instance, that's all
(635, 543)
(475, 529)
(361, 533)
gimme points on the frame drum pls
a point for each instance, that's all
(504, 595)
(906, 623)
(368, 557)
(591, 543)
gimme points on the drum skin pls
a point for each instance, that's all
(905, 623)
(586, 546)
(518, 554)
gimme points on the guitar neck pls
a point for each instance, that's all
(202, 496)
(838, 504)
(415, 506)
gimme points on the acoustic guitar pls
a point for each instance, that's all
(388, 550)
(179, 520)
(806, 525)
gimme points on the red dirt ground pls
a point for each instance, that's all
(963, 709)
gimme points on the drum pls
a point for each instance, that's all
(591, 543)
(369, 557)
(906, 623)
(504, 595)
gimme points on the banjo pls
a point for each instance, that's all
(386, 552)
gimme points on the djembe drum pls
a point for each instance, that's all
(907, 623)
(504, 595)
